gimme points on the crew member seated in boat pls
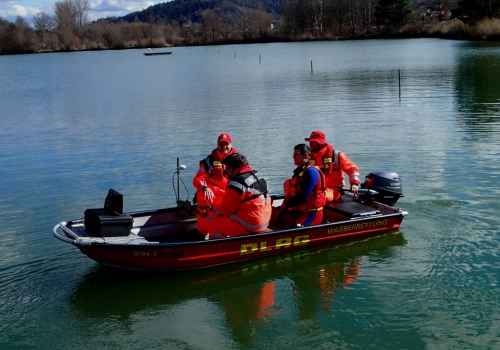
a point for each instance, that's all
(246, 205)
(304, 192)
(211, 180)
(333, 163)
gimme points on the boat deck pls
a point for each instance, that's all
(165, 228)
(350, 209)
(81, 235)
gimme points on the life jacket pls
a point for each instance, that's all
(316, 199)
(213, 163)
(333, 163)
(287, 186)
(327, 159)
(254, 211)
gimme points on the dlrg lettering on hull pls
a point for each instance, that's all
(263, 246)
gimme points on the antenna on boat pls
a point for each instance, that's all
(178, 191)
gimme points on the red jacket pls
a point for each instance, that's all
(305, 195)
(246, 200)
(212, 167)
(218, 187)
(333, 163)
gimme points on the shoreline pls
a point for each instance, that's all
(484, 31)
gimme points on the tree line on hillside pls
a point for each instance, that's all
(182, 11)
(245, 21)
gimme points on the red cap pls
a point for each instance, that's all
(224, 138)
(317, 135)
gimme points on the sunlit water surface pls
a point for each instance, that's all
(76, 124)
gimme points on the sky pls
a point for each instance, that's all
(10, 9)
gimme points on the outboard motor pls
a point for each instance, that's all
(387, 185)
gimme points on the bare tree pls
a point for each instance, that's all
(340, 12)
(212, 25)
(187, 33)
(243, 22)
(317, 16)
(64, 16)
(366, 14)
(43, 23)
(152, 32)
(288, 17)
(81, 8)
(302, 14)
(71, 14)
(262, 22)
(21, 33)
(352, 14)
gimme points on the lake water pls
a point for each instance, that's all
(76, 124)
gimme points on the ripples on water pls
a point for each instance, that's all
(90, 121)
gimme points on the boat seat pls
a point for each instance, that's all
(352, 209)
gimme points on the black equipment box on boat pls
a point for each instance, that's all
(110, 220)
(98, 224)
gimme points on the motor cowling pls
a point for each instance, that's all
(387, 185)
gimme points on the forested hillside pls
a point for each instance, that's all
(181, 11)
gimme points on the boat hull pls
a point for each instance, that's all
(157, 240)
(195, 255)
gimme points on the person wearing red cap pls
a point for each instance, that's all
(333, 163)
(211, 180)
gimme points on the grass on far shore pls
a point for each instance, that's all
(486, 29)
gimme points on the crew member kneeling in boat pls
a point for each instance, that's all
(304, 192)
(246, 205)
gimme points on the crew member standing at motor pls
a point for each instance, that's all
(246, 205)
(211, 180)
(305, 191)
(333, 163)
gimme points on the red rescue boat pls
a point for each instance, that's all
(153, 240)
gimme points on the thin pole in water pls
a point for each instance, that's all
(311, 67)
(234, 54)
(399, 80)
(259, 58)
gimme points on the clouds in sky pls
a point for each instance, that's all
(10, 9)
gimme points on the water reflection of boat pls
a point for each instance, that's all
(106, 292)
(153, 240)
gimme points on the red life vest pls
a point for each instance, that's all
(316, 199)
(334, 163)
(323, 159)
(213, 162)
(217, 158)
(211, 167)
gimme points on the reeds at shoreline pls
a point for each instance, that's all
(484, 30)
